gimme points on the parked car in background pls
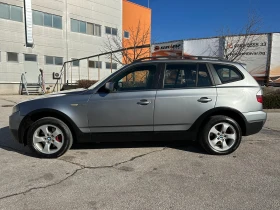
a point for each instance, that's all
(213, 101)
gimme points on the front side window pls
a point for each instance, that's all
(12, 57)
(186, 76)
(227, 73)
(138, 78)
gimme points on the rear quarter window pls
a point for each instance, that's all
(228, 73)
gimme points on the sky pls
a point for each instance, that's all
(184, 19)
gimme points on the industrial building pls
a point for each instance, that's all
(41, 35)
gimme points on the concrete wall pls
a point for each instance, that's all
(57, 42)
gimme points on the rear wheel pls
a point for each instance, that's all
(221, 135)
(49, 137)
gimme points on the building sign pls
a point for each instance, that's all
(28, 23)
(203, 47)
(274, 74)
(253, 51)
(167, 49)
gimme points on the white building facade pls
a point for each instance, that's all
(55, 31)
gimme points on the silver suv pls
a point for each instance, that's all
(213, 101)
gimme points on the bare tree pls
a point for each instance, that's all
(236, 45)
(138, 36)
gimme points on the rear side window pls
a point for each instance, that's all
(227, 73)
(186, 75)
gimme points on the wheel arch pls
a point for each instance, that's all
(230, 112)
(41, 113)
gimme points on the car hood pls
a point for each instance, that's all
(59, 94)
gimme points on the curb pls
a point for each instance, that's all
(272, 110)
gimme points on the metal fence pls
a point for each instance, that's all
(67, 67)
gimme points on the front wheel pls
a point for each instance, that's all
(49, 137)
(221, 135)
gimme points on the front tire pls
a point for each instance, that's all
(221, 135)
(49, 137)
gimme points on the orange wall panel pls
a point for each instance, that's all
(135, 16)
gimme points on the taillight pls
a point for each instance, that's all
(259, 97)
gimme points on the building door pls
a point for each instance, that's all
(31, 68)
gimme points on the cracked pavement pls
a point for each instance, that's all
(143, 175)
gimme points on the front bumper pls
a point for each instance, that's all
(14, 123)
(255, 122)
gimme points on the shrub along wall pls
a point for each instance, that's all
(85, 83)
(271, 101)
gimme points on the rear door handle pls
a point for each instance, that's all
(143, 102)
(204, 100)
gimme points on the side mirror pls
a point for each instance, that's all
(109, 86)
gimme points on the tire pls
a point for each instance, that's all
(221, 135)
(49, 137)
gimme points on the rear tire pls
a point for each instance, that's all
(49, 137)
(221, 135)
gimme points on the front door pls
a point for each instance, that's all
(31, 68)
(187, 92)
(130, 107)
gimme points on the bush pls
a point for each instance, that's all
(85, 83)
(271, 101)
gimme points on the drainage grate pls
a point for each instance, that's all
(7, 105)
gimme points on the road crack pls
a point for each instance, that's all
(81, 167)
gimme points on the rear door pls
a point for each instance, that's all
(187, 92)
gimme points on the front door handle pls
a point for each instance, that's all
(143, 102)
(204, 100)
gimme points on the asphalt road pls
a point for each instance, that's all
(147, 175)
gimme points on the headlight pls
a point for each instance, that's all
(15, 109)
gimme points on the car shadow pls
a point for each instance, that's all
(9, 144)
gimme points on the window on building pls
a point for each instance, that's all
(75, 25)
(90, 30)
(85, 27)
(38, 18)
(95, 64)
(58, 60)
(126, 34)
(57, 21)
(75, 63)
(12, 57)
(97, 30)
(16, 13)
(45, 19)
(11, 12)
(227, 73)
(114, 65)
(30, 57)
(108, 30)
(53, 60)
(112, 31)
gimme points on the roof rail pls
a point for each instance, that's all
(185, 57)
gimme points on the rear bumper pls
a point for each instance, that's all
(254, 127)
(255, 122)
